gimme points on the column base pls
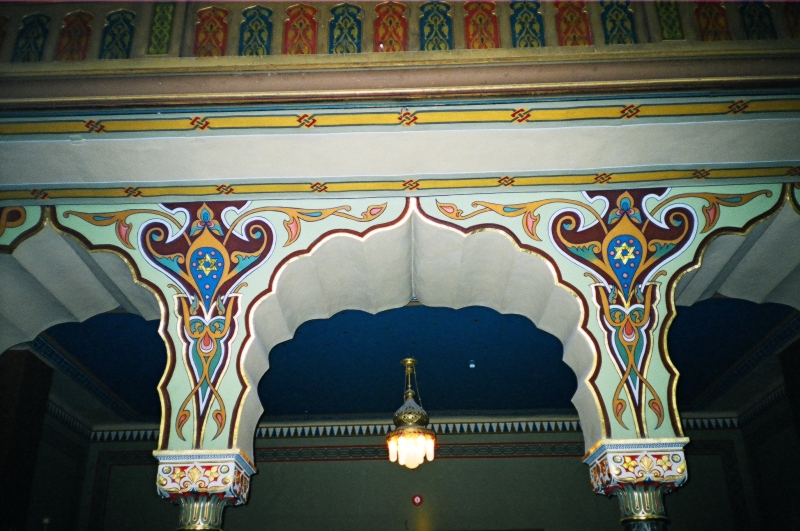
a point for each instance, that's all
(202, 511)
(641, 503)
(645, 525)
(203, 484)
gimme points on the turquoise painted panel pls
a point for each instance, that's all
(435, 27)
(117, 35)
(30, 39)
(345, 29)
(256, 31)
(618, 24)
(527, 25)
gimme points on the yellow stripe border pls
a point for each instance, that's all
(89, 124)
(412, 186)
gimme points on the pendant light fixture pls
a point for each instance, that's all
(411, 442)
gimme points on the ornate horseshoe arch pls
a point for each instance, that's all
(598, 270)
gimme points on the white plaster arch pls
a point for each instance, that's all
(51, 278)
(441, 267)
(758, 266)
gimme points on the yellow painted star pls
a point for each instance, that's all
(207, 265)
(625, 252)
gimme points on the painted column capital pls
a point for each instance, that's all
(182, 474)
(614, 463)
(639, 472)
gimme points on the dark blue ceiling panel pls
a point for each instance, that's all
(708, 338)
(350, 363)
(121, 350)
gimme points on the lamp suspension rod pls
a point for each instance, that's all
(419, 396)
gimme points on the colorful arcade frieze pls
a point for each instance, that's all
(40, 34)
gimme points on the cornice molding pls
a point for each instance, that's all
(457, 74)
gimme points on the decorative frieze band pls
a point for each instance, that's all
(764, 404)
(716, 423)
(68, 420)
(124, 435)
(463, 428)
(456, 428)
(266, 432)
(379, 451)
(775, 344)
(51, 355)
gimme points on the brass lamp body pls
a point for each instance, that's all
(411, 442)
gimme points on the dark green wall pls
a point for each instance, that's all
(58, 478)
(772, 444)
(550, 492)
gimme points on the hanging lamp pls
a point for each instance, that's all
(411, 442)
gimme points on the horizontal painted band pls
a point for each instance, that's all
(135, 193)
(92, 124)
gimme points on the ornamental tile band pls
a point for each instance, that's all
(265, 432)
